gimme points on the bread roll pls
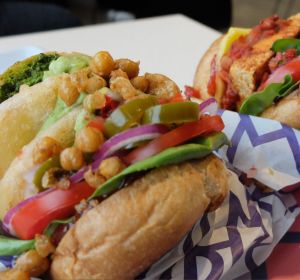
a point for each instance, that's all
(13, 186)
(286, 111)
(133, 228)
(202, 75)
(22, 116)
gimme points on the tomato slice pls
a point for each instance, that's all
(205, 125)
(191, 92)
(212, 85)
(97, 123)
(35, 216)
(291, 68)
(110, 105)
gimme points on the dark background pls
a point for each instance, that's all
(29, 16)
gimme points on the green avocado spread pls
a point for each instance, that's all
(67, 64)
(60, 110)
(29, 71)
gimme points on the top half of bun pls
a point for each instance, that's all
(130, 230)
(203, 72)
(14, 185)
(22, 116)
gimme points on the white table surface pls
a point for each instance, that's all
(171, 45)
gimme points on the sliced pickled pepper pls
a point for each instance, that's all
(50, 163)
(128, 115)
(176, 113)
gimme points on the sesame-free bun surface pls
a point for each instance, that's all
(202, 74)
(133, 228)
(14, 187)
(22, 116)
(286, 111)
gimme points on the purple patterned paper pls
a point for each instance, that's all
(269, 148)
(241, 234)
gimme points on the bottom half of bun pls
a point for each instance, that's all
(286, 111)
(133, 228)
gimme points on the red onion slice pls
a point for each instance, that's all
(6, 223)
(119, 141)
(209, 106)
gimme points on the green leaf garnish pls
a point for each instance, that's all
(283, 45)
(12, 247)
(260, 101)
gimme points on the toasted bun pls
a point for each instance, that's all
(21, 117)
(286, 111)
(202, 73)
(133, 228)
(244, 73)
(13, 186)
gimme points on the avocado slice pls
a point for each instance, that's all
(200, 148)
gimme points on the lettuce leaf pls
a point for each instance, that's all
(260, 101)
(11, 246)
(282, 45)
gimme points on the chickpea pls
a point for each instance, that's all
(111, 167)
(89, 139)
(94, 83)
(130, 67)
(118, 73)
(71, 159)
(56, 178)
(102, 63)
(161, 86)
(46, 148)
(95, 180)
(140, 83)
(68, 91)
(33, 263)
(43, 245)
(14, 274)
(123, 87)
(94, 102)
(80, 78)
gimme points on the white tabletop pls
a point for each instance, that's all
(171, 45)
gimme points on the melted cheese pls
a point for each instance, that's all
(232, 35)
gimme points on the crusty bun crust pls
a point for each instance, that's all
(286, 111)
(133, 228)
(202, 74)
(13, 186)
(21, 117)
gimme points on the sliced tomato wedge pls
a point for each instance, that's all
(110, 105)
(291, 68)
(176, 98)
(191, 92)
(97, 123)
(205, 125)
(35, 216)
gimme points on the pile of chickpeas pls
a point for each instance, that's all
(33, 263)
(121, 76)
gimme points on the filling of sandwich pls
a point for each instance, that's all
(282, 64)
(36, 68)
(128, 125)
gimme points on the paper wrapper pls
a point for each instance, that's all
(235, 239)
